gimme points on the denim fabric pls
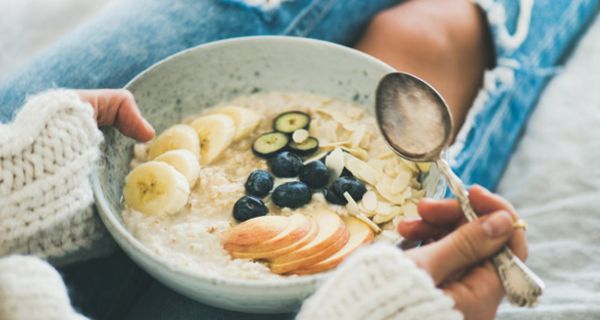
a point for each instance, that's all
(512, 89)
(131, 35)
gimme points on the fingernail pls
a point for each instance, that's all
(411, 219)
(497, 224)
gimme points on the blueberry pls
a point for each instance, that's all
(248, 207)
(292, 195)
(315, 174)
(333, 198)
(353, 186)
(285, 164)
(259, 183)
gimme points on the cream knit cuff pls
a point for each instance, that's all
(379, 282)
(31, 289)
(46, 201)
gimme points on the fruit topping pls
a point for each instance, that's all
(285, 164)
(246, 120)
(308, 147)
(259, 183)
(332, 197)
(178, 136)
(156, 188)
(216, 132)
(292, 195)
(270, 143)
(288, 122)
(183, 161)
(315, 174)
(353, 186)
(248, 207)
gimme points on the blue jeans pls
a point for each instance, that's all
(131, 35)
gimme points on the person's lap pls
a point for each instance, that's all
(132, 35)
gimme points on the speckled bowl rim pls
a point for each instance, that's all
(118, 230)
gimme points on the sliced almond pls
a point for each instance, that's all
(409, 209)
(357, 152)
(331, 132)
(400, 182)
(390, 167)
(300, 135)
(383, 190)
(382, 218)
(334, 115)
(353, 210)
(358, 135)
(407, 194)
(317, 157)
(401, 168)
(360, 169)
(369, 201)
(335, 161)
(386, 155)
(368, 213)
(333, 145)
(383, 208)
(349, 126)
(351, 205)
(376, 164)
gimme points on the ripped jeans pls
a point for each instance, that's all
(530, 39)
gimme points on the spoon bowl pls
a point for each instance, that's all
(416, 122)
(413, 117)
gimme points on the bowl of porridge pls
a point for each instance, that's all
(267, 171)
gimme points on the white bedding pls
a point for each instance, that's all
(554, 181)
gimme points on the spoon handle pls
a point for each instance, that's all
(523, 287)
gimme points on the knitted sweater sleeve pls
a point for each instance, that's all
(379, 282)
(46, 201)
(31, 289)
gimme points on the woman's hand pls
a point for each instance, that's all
(458, 261)
(117, 107)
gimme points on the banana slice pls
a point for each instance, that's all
(156, 188)
(183, 161)
(245, 120)
(216, 132)
(179, 136)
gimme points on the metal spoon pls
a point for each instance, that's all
(416, 122)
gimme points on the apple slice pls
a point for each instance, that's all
(314, 258)
(297, 228)
(360, 233)
(310, 235)
(254, 231)
(332, 237)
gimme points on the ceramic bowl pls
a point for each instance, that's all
(197, 78)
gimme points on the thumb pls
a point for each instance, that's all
(468, 245)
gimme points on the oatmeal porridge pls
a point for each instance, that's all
(252, 187)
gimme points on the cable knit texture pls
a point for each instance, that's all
(379, 282)
(31, 289)
(46, 201)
